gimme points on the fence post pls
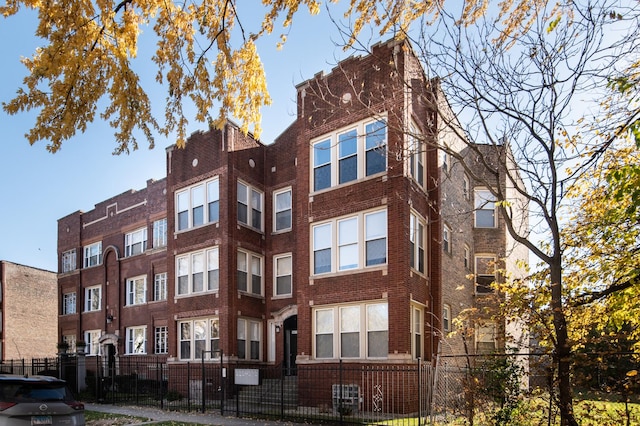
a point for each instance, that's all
(223, 384)
(419, 392)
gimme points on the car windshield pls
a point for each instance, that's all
(34, 392)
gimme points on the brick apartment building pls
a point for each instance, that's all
(328, 244)
(28, 319)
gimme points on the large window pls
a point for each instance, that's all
(351, 331)
(69, 303)
(160, 233)
(282, 210)
(93, 298)
(93, 254)
(250, 206)
(70, 340)
(199, 337)
(198, 204)
(161, 339)
(417, 156)
(136, 340)
(249, 273)
(69, 260)
(417, 228)
(198, 272)
(136, 291)
(347, 243)
(92, 339)
(486, 338)
(417, 331)
(283, 270)
(485, 273)
(160, 286)
(249, 333)
(485, 208)
(135, 242)
(351, 154)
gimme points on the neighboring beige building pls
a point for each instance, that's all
(29, 312)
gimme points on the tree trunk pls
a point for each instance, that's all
(562, 356)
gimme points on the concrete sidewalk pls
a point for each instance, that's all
(157, 415)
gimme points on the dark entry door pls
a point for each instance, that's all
(290, 344)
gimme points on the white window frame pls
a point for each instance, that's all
(467, 257)
(249, 335)
(160, 286)
(93, 298)
(446, 162)
(446, 318)
(484, 276)
(161, 339)
(466, 187)
(185, 264)
(280, 271)
(251, 267)
(92, 255)
(342, 250)
(92, 339)
(417, 239)
(189, 200)
(70, 340)
(280, 208)
(160, 233)
(135, 242)
(136, 290)
(417, 331)
(486, 333)
(136, 340)
(484, 204)
(253, 201)
(69, 304)
(328, 151)
(447, 242)
(199, 334)
(69, 262)
(350, 319)
(417, 156)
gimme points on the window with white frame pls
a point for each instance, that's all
(160, 286)
(69, 261)
(446, 318)
(467, 257)
(446, 239)
(283, 270)
(353, 242)
(92, 339)
(282, 208)
(485, 209)
(69, 303)
(249, 273)
(446, 162)
(136, 290)
(70, 340)
(485, 273)
(417, 155)
(351, 331)
(199, 337)
(417, 331)
(161, 339)
(198, 272)
(250, 202)
(93, 254)
(198, 204)
(417, 228)
(93, 298)
(160, 233)
(350, 154)
(249, 338)
(486, 338)
(135, 242)
(136, 340)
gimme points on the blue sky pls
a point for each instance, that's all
(38, 187)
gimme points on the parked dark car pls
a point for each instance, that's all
(38, 400)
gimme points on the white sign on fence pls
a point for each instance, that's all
(247, 376)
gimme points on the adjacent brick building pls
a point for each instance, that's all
(29, 326)
(325, 245)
